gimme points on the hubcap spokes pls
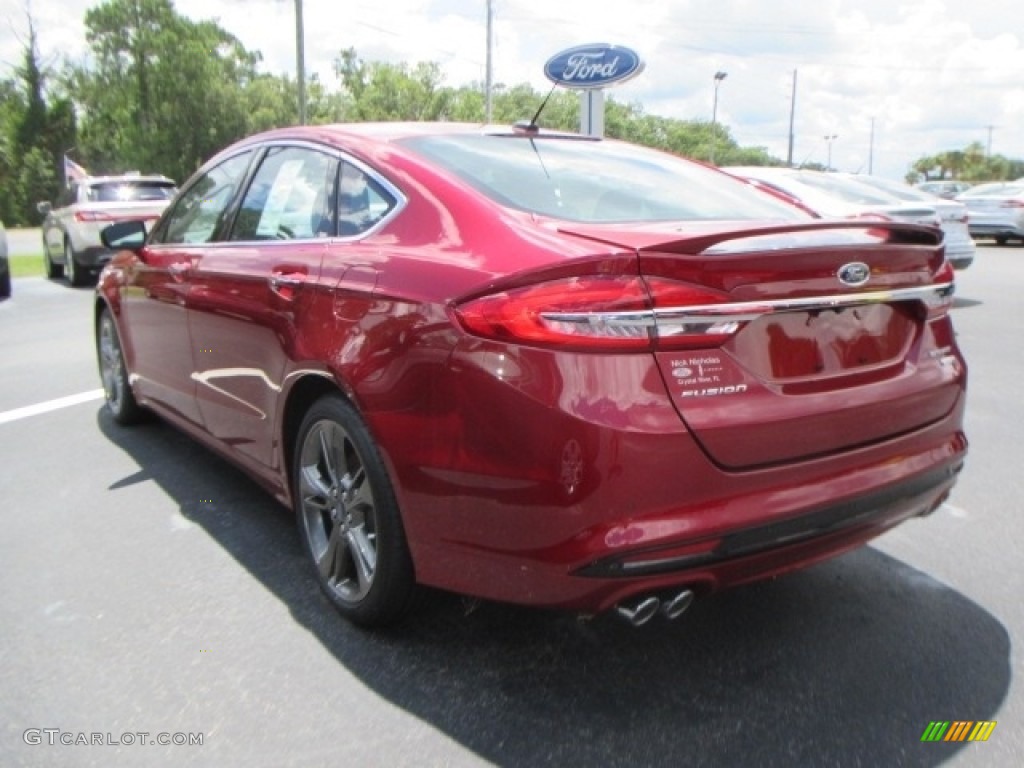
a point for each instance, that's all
(110, 364)
(338, 511)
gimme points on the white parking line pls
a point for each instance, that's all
(50, 405)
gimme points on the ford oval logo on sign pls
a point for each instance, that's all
(593, 66)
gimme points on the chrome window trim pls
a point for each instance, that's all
(338, 154)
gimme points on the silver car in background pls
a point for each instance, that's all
(960, 247)
(947, 188)
(71, 229)
(996, 210)
(830, 196)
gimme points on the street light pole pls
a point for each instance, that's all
(300, 61)
(719, 77)
(830, 138)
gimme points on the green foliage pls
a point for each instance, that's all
(163, 93)
(971, 163)
(36, 180)
(29, 137)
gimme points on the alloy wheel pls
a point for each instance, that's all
(338, 511)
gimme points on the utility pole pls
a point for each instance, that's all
(988, 147)
(719, 77)
(830, 138)
(871, 148)
(792, 114)
(300, 61)
(489, 78)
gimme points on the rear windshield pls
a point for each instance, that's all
(123, 192)
(597, 181)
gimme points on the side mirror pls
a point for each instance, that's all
(44, 207)
(124, 235)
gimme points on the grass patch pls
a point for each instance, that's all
(27, 265)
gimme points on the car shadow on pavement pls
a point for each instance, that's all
(845, 663)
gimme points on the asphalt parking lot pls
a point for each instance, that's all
(150, 588)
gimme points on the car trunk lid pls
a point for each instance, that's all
(820, 337)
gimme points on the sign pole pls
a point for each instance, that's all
(592, 113)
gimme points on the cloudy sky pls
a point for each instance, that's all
(930, 75)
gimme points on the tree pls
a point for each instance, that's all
(971, 163)
(383, 91)
(164, 93)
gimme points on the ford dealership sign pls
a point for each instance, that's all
(593, 66)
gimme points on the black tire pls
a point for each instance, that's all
(53, 271)
(5, 285)
(113, 373)
(1001, 240)
(348, 517)
(76, 274)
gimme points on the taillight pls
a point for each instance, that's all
(93, 216)
(1012, 204)
(691, 317)
(586, 312)
(624, 313)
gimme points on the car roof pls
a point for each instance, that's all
(399, 130)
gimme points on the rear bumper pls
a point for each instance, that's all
(961, 252)
(851, 520)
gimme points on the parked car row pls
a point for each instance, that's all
(835, 195)
(538, 367)
(71, 227)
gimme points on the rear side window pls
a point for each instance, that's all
(291, 197)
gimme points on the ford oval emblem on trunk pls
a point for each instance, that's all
(854, 274)
(593, 66)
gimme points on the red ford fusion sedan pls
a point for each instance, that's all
(537, 367)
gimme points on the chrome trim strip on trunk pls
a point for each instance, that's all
(739, 312)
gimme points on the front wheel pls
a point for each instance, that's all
(348, 517)
(114, 374)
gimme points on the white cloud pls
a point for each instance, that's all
(931, 74)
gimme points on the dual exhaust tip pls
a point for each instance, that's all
(639, 611)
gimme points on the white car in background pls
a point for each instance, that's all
(996, 210)
(71, 229)
(832, 196)
(947, 188)
(960, 247)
